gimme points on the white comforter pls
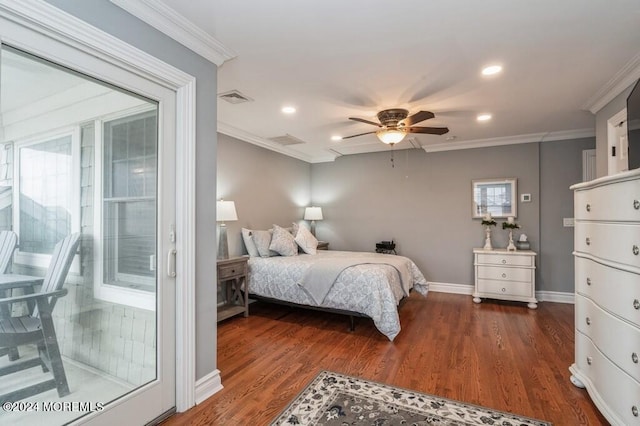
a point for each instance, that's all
(371, 289)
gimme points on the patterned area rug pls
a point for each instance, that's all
(336, 399)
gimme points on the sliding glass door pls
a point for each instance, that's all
(80, 155)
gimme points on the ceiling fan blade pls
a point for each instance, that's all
(362, 120)
(428, 130)
(359, 134)
(416, 118)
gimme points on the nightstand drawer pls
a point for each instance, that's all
(231, 271)
(505, 274)
(505, 259)
(505, 288)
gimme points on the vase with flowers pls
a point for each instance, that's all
(488, 222)
(510, 224)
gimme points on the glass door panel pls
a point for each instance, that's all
(77, 156)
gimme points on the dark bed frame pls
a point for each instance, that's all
(351, 314)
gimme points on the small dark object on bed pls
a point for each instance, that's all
(387, 247)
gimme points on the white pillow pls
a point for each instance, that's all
(252, 250)
(283, 242)
(262, 240)
(305, 239)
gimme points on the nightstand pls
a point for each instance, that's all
(506, 275)
(232, 277)
(322, 245)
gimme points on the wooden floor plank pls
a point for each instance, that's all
(501, 355)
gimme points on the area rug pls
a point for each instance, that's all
(335, 399)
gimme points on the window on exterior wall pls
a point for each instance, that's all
(129, 166)
(45, 195)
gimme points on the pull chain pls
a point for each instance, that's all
(393, 165)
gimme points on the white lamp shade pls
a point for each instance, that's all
(313, 213)
(226, 211)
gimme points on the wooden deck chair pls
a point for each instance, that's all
(37, 328)
(8, 243)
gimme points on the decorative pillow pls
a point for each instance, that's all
(283, 242)
(305, 239)
(262, 240)
(252, 250)
(294, 229)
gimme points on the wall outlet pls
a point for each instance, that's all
(567, 222)
(525, 198)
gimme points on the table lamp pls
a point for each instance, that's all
(313, 214)
(225, 212)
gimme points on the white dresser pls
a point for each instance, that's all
(607, 283)
(506, 275)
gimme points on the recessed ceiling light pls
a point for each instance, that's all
(483, 117)
(336, 138)
(288, 110)
(491, 70)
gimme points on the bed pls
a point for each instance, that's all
(373, 286)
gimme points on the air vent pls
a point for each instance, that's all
(234, 97)
(286, 140)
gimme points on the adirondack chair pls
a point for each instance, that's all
(8, 243)
(37, 327)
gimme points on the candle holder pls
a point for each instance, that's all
(510, 225)
(488, 222)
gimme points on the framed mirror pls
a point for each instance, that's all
(496, 196)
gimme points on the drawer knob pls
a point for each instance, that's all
(636, 204)
(589, 360)
(504, 289)
(588, 241)
(588, 321)
(634, 358)
(504, 261)
(634, 411)
(233, 271)
(588, 281)
(636, 250)
(636, 304)
(504, 275)
(588, 207)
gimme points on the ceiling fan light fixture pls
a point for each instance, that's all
(391, 136)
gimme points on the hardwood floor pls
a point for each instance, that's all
(496, 354)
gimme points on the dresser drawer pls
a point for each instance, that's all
(233, 270)
(508, 274)
(611, 241)
(505, 288)
(621, 347)
(615, 290)
(617, 389)
(505, 259)
(609, 202)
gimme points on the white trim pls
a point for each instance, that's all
(59, 25)
(168, 21)
(624, 78)
(556, 296)
(465, 289)
(272, 146)
(208, 385)
(511, 140)
(613, 164)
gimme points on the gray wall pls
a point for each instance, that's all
(560, 167)
(267, 188)
(424, 204)
(115, 21)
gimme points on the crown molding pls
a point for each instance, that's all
(168, 21)
(624, 78)
(245, 136)
(511, 140)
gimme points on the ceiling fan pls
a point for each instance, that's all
(396, 123)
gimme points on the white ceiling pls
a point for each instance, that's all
(334, 59)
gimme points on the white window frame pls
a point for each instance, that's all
(103, 291)
(40, 260)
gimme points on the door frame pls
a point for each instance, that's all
(57, 24)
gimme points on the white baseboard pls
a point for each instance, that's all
(208, 385)
(542, 296)
(451, 288)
